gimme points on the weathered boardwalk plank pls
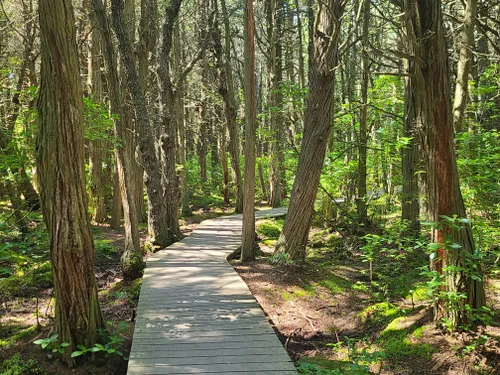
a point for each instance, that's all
(196, 315)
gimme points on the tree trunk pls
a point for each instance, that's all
(95, 146)
(363, 118)
(461, 272)
(464, 63)
(230, 112)
(275, 70)
(116, 205)
(410, 160)
(158, 230)
(248, 231)
(60, 161)
(323, 59)
(131, 260)
(168, 123)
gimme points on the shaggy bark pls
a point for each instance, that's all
(323, 59)
(60, 161)
(462, 274)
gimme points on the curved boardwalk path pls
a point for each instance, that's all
(196, 315)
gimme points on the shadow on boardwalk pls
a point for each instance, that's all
(196, 315)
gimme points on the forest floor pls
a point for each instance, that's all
(27, 310)
(331, 318)
(327, 313)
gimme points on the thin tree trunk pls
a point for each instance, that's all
(60, 161)
(248, 231)
(159, 232)
(116, 206)
(275, 69)
(177, 63)
(410, 160)
(168, 123)
(230, 112)
(95, 146)
(132, 264)
(363, 137)
(323, 59)
(464, 63)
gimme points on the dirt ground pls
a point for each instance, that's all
(308, 322)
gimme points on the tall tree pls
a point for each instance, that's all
(363, 118)
(464, 64)
(132, 264)
(275, 70)
(168, 122)
(60, 163)
(158, 231)
(248, 232)
(227, 91)
(432, 91)
(96, 146)
(323, 59)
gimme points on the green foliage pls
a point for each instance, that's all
(51, 343)
(269, 228)
(104, 248)
(98, 123)
(15, 365)
(394, 259)
(380, 314)
(359, 356)
(280, 259)
(112, 346)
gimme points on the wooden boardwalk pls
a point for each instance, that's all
(196, 315)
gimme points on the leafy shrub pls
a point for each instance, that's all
(268, 228)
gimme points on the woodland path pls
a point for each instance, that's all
(196, 315)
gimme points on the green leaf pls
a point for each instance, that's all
(93, 350)
(77, 353)
(39, 341)
(100, 346)
(81, 347)
(64, 344)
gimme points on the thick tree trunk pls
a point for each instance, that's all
(248, 231)
(132, 264)
(60, 161)
(323, 59)
(462, 273)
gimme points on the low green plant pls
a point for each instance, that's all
(51, 343)
(312, 369)
(280, 259)
(15, 365)
(268, 229)
(115, 342)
